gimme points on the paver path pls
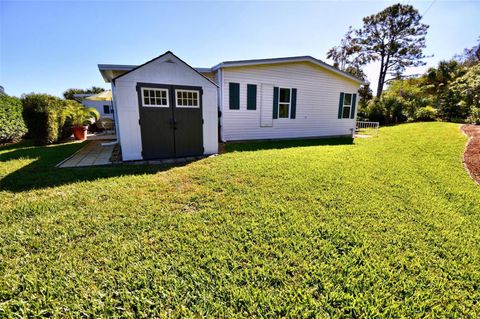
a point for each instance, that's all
(471, 157)
(92, 154)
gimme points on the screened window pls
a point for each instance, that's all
(284, 103)
(155, 97)
(187, 98)
(347, 105)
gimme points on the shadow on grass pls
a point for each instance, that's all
(42, 173)
(280, 144)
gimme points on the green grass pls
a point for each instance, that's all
(384, 227)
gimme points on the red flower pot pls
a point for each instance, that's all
(80, 132)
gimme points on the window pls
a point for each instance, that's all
(251, 97)
(347, 105)
(106, 109)
(187, 98)
(284, 103)
(155, 97)
(234, 96)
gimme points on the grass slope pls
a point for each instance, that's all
(385, 227)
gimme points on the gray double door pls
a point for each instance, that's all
(173, 130)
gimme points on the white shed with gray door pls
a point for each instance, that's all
(165, 109)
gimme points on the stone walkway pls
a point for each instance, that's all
(471, 156)
(92, 154)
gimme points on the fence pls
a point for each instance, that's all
(368, 128)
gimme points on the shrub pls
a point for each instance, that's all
(46, 118)
(386, 110)
(376, 111)
(474, 117)
(427, 113)
(394, 108)
(12, 125)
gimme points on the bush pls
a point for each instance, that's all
(474, 117)
(376, 111)
(46, 118)
(427, 113)
(12, 125)
(386, 111)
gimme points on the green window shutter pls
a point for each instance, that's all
(275, 102)
(251, 97)
(340, 106)
(354, 100)
(293, 105)
(234, 90)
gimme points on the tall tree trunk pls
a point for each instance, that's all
(381, 80)
(380, 77)
(383, 75)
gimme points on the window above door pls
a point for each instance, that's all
(187, 98)
(155, 97)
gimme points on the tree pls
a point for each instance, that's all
(437, 83)
(468, 87)
(470, 56)
(69, 94)
(395, 37)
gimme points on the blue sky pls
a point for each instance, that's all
(47, 47)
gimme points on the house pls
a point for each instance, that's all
(166, 108)
(102, 102)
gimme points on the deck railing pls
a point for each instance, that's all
(366, 127)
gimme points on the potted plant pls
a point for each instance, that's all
(81, 117)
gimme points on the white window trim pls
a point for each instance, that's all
(155, 105)
(188, 106)
(347, 105)
(289, 103)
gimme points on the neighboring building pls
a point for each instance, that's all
(160, 106)
(102, 104)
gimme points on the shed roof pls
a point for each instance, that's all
(110, 72)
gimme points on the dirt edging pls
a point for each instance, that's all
(471, 155)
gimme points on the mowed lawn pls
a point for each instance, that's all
(384, 227)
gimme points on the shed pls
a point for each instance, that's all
(164, 108)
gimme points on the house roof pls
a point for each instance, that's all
(304, 58)
(112, 71)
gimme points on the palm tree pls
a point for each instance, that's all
(80, 117)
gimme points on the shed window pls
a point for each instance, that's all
(155, 97)
(284, 103)
(106, 109)
(347, 105)
(187, 98)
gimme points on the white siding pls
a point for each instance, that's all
(98, 105)
(165, 70)
(318, 92)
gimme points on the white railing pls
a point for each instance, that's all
(366, 127)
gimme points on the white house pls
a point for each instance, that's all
(103, 106)
(165, 108)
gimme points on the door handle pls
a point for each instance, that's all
(173, 124)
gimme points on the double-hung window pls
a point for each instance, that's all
(284, 103)
(347, 105)
(187, 98)
(155, 97)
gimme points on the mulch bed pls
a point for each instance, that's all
(471, 157)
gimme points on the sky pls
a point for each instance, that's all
(50, 46)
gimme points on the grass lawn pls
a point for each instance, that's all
(384, 227)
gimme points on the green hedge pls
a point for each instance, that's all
(12, 125)
(46, 118)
